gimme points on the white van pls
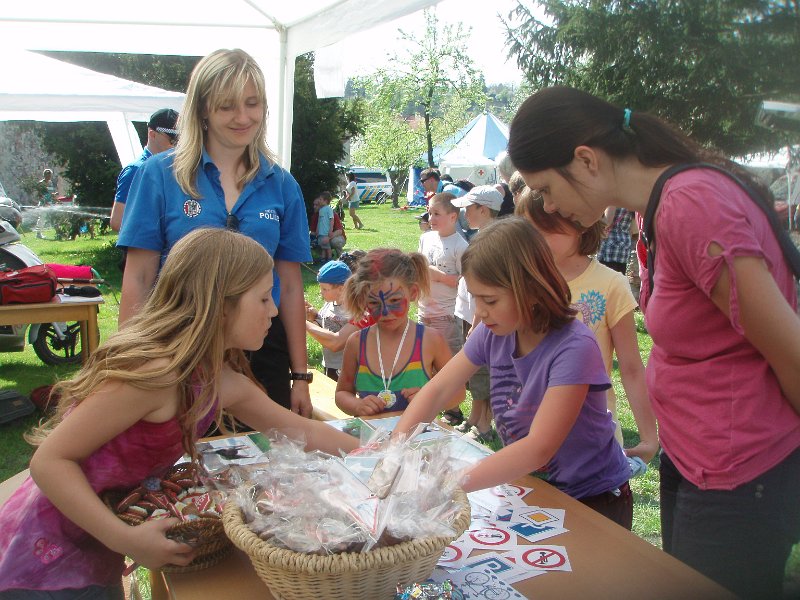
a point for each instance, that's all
(372, 185)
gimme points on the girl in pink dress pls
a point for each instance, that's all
(139, 403)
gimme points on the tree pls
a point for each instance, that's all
(390, 141)
(705, 66)
(503, 99)
(436, 76)
(420, 100)
(319, 130)
(90, 160)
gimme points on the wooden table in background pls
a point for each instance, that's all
(85, 312)
(323, 391)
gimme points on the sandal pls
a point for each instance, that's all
(487, 437)
(464, 427)
(453, 417)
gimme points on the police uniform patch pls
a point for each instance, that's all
(191, 208)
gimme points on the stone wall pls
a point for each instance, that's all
(22, 156)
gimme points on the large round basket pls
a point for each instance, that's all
(293, 575)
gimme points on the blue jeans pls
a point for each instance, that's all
(740, 538)
(93, 592)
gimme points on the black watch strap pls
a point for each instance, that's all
(307, 376)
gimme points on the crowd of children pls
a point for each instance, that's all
(481, 206)
(548, 381)
(605, 303)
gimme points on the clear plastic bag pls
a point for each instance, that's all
(316, 503)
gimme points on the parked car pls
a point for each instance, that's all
(372, 185)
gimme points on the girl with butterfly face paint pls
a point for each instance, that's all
(386, 364)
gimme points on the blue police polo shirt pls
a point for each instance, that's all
(126, 177)
(270, 210)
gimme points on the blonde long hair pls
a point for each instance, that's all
(181, 326)
(218, 78)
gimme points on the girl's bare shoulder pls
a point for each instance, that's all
(235, 386)
(158, 371)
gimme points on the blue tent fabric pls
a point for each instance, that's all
(485, 134)
(418, 199)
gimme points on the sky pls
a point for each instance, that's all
(370, 50)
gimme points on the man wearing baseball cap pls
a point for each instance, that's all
(161, 135)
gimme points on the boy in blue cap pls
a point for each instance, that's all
(331, 326)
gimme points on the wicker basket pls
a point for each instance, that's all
(211, 545)
(293, 575)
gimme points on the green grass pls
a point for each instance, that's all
(24, 371)
(383, 226)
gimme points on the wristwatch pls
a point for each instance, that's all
(308, 376)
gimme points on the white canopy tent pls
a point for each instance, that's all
(470, 152)
(37, 88)
(275, 33)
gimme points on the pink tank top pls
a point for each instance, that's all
(40, 549)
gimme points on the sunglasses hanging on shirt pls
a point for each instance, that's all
(232, 222)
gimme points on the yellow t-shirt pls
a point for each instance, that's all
(602, 297)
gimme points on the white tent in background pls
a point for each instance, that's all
(38, 88)
(766, 160)
(470, 152)
(274, 33)
(785, 116)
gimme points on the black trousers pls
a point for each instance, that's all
(740, 538)
(271, 364)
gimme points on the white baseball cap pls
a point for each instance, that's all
(485, 195)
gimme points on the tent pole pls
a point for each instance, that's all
(126, 139)
(285, 101)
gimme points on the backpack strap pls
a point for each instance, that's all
(789, 250)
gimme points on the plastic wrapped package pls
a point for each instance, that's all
(317, 503)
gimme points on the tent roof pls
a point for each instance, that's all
(63, 89)
(60, 91)
(192, 27)
(484, 137)
(275, 33)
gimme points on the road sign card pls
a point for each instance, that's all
(505, 569)
(478, 584)
(489, 538)
(532, 533)
(541, 557)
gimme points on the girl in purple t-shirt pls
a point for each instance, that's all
(548, 382)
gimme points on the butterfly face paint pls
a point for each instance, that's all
(387, 301)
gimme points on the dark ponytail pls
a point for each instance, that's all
(554, 121)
